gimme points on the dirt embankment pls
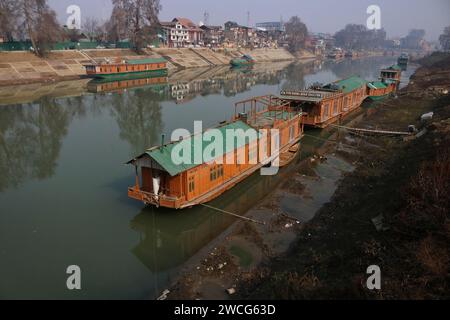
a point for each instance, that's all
(392, 210)
(400, 186)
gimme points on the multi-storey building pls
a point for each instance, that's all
(181, 32)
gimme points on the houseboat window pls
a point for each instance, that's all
(191, 184)
(291, 133)
(335, 107)
(326, 111)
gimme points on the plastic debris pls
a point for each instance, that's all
(163, 296)
(231, 291)
(427, 116)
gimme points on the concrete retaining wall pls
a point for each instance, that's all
(20, 66)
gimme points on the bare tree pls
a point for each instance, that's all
(358, 37)
(296, 33)
(40, 24)
(136, 19)
(9, 15)
(91, 28)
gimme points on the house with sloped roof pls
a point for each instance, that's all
(180, 32)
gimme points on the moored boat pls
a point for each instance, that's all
(169, 183)
(378, 90)
(128, 68)
(403, 59)
(246, 60)
(324, 105)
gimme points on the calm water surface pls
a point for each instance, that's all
(63, 181)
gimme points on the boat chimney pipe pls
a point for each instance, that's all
(163, 138)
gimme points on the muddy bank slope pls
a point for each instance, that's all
(400, 185)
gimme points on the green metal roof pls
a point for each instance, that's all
(377, 85)
(394, 67)
(350, 84)
(148, 60)
(279, 114)
(163, 156)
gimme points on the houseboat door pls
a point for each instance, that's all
(192, 185)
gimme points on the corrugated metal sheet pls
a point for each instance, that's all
(377, 85)
(350, 84)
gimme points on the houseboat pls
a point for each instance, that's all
(324, 105)
(392, 74)
(403, 59)
(378, 90)
(388, 84)
(246, 60)
(163, 183)
(351, 54)
(105, 85)
(336, 54)
(128, 68)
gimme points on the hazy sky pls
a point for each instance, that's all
(397, 16)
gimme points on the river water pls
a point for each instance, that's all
(63, 178)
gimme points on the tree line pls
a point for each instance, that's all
(34, 20)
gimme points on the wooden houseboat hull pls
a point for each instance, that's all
(285, 157)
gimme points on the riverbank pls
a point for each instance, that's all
(22, 67)
(320, 247)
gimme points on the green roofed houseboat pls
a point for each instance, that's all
(240, 148)
(136, 68)
(326, 104)
(246, 60)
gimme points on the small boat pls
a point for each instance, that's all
(128, 68)
(403, 59)
(246, 60)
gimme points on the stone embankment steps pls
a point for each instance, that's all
(23, 66)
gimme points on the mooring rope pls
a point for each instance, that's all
(233, 214)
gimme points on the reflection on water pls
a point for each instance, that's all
(63, 180)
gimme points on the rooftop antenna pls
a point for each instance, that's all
(206, 18)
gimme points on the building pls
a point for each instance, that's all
(180, 32)
(239, 36)
(213, 36)
(271, 26)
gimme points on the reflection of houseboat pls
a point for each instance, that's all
(377, 90)
(326, 104)
(102, 85)
(244, 61)
(128, 68)
(351, 54)
(168, 184)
